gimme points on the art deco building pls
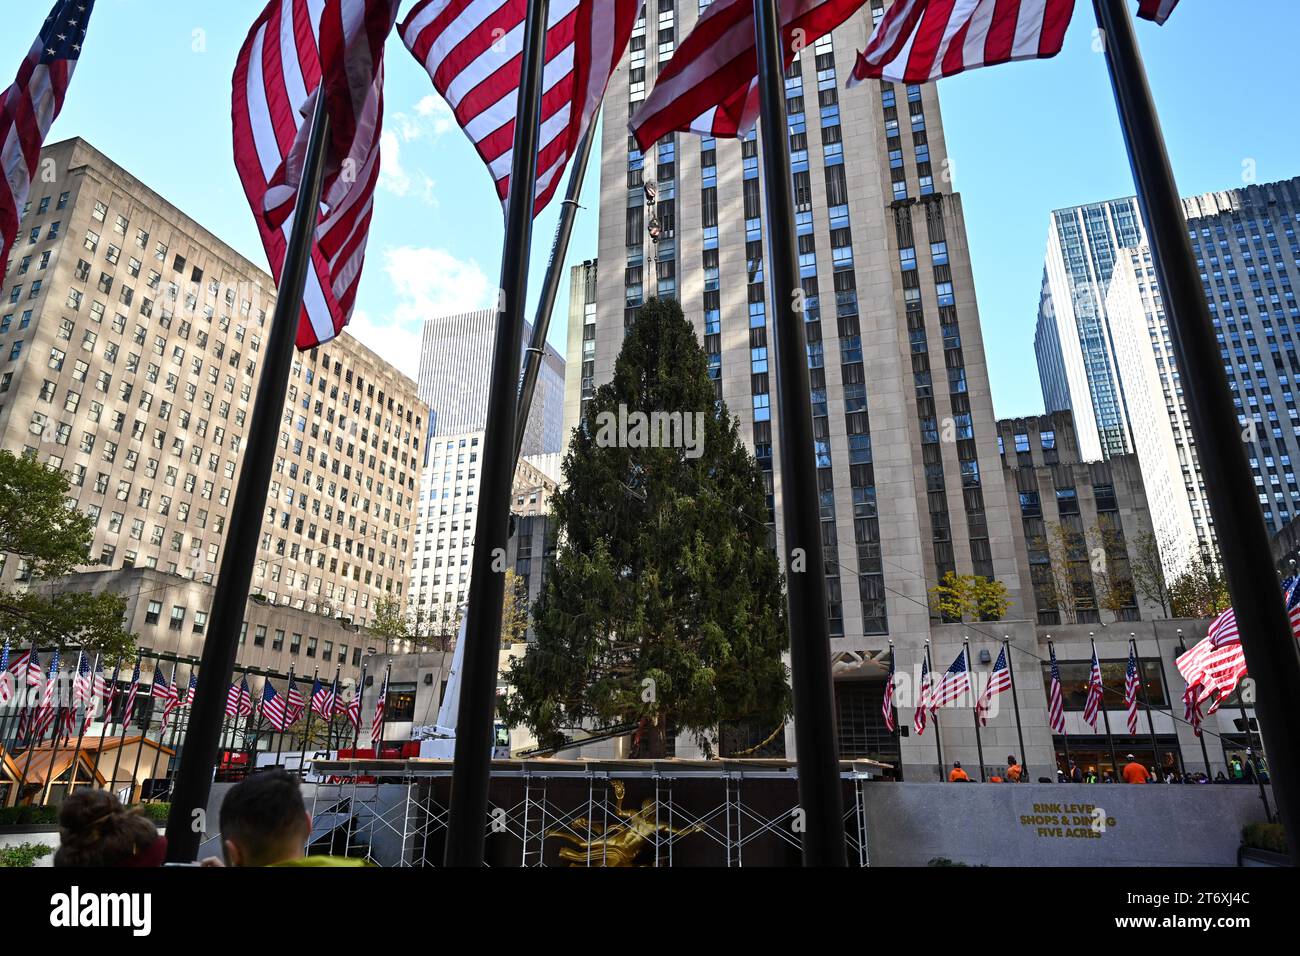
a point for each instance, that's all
(911, 486)
(132, 340)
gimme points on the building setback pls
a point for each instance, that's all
(133, 340)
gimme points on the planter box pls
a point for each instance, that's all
(1249, 856)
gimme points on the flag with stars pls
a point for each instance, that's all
(1092, 706)
(1131, 683)
(29, 107)
(919, 718)
(999, 682)
(954, 684)
(887, 707)
(129, 711)
(7, 683)
(1055, 703)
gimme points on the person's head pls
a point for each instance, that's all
(264, 820)
(1130, 757)
(1071, 763)
(956, 765)
(1011, 759)
(95, 829)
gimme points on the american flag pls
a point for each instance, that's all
(351, 708)
(1216, 665)
(165, 691)
(293, 49)
(7, 684)
(45, 713)
(377, 725)
(129, 710)
(295, 703)
(1055, 707)
(711, 84)
(473, 52)
(273, 707)
(920, 716)
(29, 107)
(187, 698)
(1092, 706)
(887, 707)
(27, 668)
(921, 40)
(954, 684)
(1157, 10)
(239, 702)
(1131, 682)
(999, 681)
(100, 689)
(82, 684)
(323, 697)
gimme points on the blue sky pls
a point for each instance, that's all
(1024, 139)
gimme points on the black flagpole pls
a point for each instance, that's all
(217, 666)
(979, 743)
(551, 284)
(820, 795)
(1105, 714)
(1065, 731)
(1146, 703)
(1266, 637)
(1015, 703)
(934, 714)
(467, 816)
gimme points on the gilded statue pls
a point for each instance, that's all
(624, 843)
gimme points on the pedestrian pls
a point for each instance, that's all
(95, 829)
(264, 822)
(958, 775)
(1134, 772)
(1076, 775)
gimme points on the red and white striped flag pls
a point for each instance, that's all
(29, 107)
(473, 52)
(711, 84)
(999, 682)
(1055, 704)
(351, 708)
(1157, 10)
(8, 685)
(273, 707)
(295, 50)
(921, 40)
(887, 705)
(1131, 683)
(381, 712)
(1217, 664)
(44, 719)
(1192, 708)
(954, 684)
(295, 702)
(1092, 706)
(239, 700)
(920, 717)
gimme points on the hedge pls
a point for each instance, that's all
(24, 854)
(1264, 836)
(37, 815)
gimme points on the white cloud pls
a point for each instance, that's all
(394, 178)
(426, 283)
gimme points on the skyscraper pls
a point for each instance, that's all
(1104, 348)
(1073, 341)
(454, 378)
(910, 480)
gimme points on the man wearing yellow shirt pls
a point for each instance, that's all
(264, 822)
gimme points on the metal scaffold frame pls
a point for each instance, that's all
(393, 811)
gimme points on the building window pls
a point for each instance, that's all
(153, 612)
(178, 617)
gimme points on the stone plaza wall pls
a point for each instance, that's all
(910, 824)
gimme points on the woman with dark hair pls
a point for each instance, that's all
(96, 830)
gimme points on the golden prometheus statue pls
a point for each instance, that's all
(621, 844)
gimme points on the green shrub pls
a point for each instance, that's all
(1264, 836)
(24, 854)
(28, 815)
(157, 812)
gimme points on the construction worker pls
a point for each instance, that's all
(958, 775)
(1134, 772)
(1015, 772)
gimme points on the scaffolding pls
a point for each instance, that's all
(550, 812)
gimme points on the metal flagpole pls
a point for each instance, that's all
(1110, 739)
(820, 795)
(81, 724)
(279, 744)
(1065, 732)
(551, 284)
(893, 706)
(162, 729)
(108, 711)
(1200, 734)
(938, 744)
(1250, 755)
(360, 694)
(31, 715)
(1266, 637)
(121, 740)
(1146, 701)
(378, 744)
(144, 735)
(58, 724)
(1015, 703)
(467, 816)
(217, 666)
(306, 734)
(979, 744)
